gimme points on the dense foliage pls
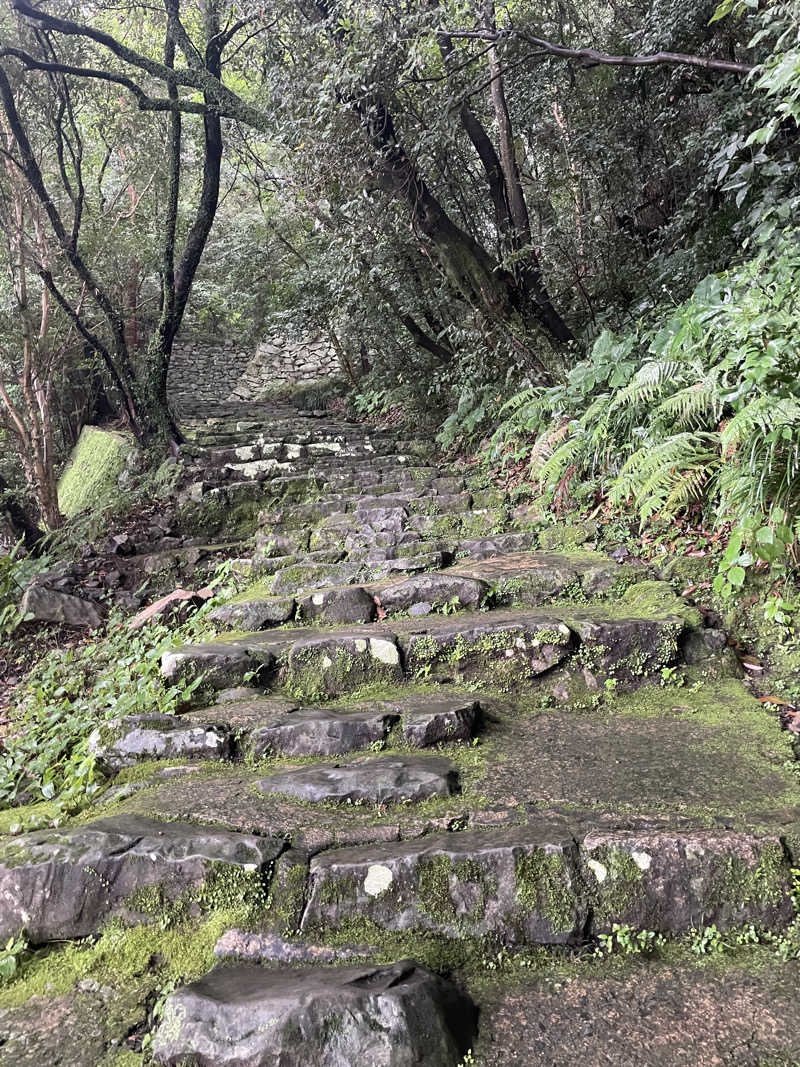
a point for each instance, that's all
(472, 209)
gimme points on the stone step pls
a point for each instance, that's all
(672, 758)
(539, 884)
(391, 1016)
(506, 648)
(379, 781)
(65, 883)
(256, 728)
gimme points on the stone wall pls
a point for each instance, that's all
(209, 370)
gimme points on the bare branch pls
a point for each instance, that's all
(145, 102)
(591, 57)
(217, 94)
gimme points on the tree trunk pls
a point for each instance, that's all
(527, 270)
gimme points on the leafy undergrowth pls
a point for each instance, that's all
(74, 689)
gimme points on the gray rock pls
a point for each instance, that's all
(385, 780)
(48, 605)
(672, 882)
(408, 564)
(64, 883)
(260, 613)
(221, 664)
(435, 589)
(319, 732)
(486, 547)
(346, 604)
(125, 742)
(250, 1016)
(518, 644)
(632, 648)
(329, 664)
(271, 545)
(440, 721)
(521, 884)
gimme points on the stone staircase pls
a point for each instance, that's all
(426, 730)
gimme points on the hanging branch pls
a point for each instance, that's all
(591, 57)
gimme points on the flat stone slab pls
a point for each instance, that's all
(385, 780)
(534, 577)
(319, 732)
(245, 713)
(705, 754)
(249, 1016)
(66, 882)
(305, 576)
(125, 742)
(541, 883)
(427, 719)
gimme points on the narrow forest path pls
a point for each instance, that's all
(433, 756)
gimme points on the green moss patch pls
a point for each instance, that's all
(90, 478)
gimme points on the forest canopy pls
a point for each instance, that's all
(567, 227)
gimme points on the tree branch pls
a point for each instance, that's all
(145, 102)
(591, 57)
(195, 77)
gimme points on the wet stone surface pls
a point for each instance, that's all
(64, 883)
(653, 1016)
(385, 780)
(247, 1016)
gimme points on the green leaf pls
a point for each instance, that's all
(736, 576)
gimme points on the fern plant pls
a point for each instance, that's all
(709, 417)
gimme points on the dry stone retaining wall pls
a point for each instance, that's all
(219, 370)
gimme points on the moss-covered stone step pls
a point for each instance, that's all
(272, 726)
(509, 648)
(382, 780)
(249, 1016)
(540, 884)
(65, 883)
(530, 578)
(125, 742)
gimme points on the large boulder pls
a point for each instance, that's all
(91, 476)
(249, 1016)
(48, 605)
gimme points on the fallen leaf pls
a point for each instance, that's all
(177, 596)
(779, 701)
